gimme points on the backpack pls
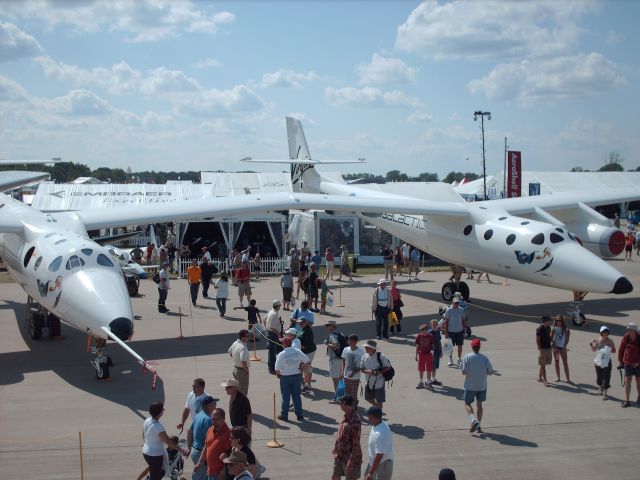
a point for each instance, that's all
(389, 374)
(156, 277)
(342, 342)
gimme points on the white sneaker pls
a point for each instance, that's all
(450, 362)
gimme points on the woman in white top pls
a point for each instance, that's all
(222, 292)
(559, 342)
(155, 436)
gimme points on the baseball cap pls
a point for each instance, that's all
(277, 303)
(446, 474)
(381, 281)
(632, 326)
(330, 322)
(207, 400)
(291, 331)
(455, 300)
(475, 342)
(604, 328)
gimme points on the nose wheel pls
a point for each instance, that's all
(101, 361)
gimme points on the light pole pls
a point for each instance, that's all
(484, 162)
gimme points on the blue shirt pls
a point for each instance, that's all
(475, 367)
(299, 313)
(200, 425)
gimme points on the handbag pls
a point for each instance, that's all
(400, 303)
(393, 319)
(340, 390)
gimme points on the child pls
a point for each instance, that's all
(437, 349)
(324, 289)
(253, 317)
(424, 356)
(257, 265)
(176, 463)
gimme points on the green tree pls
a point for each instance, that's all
(612, 163)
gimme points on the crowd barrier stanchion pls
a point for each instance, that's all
(274, 443)
(81, 460)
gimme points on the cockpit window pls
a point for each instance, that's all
(87, 251)
(104, 260)
(555, 238)
(37, 264)
(74, 262)
(28, 255)
(55, 265)
(538, 239)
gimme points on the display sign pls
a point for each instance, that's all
(514, 175)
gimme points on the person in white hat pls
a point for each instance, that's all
(605, 347)
(629, 359)
(273, 325)
(381, 305)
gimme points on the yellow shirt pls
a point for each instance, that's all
(193, 274)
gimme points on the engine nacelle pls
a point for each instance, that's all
(602, 240)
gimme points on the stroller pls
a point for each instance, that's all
(176, 463)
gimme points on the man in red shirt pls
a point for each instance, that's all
(629, 359)
(217, 442)
(243, 277)
(424, 356)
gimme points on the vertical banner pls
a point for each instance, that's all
(514, 177)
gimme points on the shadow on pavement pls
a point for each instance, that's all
(507, 440)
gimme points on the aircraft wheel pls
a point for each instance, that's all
(36, 324)
(448, 289)
(55, 328)
(103, 371)
(464, 290)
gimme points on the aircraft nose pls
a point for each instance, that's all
(122, 328)
(623, 285)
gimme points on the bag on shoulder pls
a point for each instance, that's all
(156, 277)
(389, 374)
(342, 344)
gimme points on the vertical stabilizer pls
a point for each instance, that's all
(304, 177)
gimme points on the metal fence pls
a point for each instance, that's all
(268, 265)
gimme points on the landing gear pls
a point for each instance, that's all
(573, 310)
(37, 318)
(101, 361)
(455, 285)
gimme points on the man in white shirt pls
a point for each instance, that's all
(455, 321)
(406, 256)
(374, 365)
(381, 305)
(289, 364)
(380, 466)
(239, 352)
(273, 325)
(163, 288)
(351, 358)
(192, 406)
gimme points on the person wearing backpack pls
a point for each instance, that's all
(336, 343)
(374, 365)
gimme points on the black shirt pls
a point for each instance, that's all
(239, 410)
(252, 314)
(307, 344)
(545, 336)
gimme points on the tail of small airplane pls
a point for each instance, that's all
(304, 177)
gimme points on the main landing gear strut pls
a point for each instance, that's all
(573, 310)
(101, 361)
(455, 285)
(38, 318)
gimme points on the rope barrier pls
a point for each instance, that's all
(503, 313)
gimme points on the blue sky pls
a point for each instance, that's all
(199, 85)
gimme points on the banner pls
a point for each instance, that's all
(514, 175)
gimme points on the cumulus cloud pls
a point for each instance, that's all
(383, 70)
(16, 44)
(11, 91)
(208, 63)
(141, 21)
(491, 29)
(221, 102)
(419, 117)
(563, 77)
(287, 78)
(76, 102)
(369, 97)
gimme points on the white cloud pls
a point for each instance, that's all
(383, 70)
(153, 122)
(369, 97)
(492, 29)
(11, 91)
(140, 20)
(15, 44)
(76, 102)
(161, 81)
(529, 82)
(419, 117)
(221, 102)
(287, 78)
(208, 63)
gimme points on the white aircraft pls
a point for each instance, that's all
(72, 278)
(548, 240)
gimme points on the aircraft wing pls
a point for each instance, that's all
(10, 179)
(248, 204)
(558, 202)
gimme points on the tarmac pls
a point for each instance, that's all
(49, 394)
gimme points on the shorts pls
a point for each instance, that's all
(340, 470)
(244, 288)
(628, 248)
(425, 362)
(309, 368)
(457, 338)
(470, 395)
(287, 293)
(415, 266)
(544, 357)
(378, 395)
(323, 297)
(335, 368)
(330, 265)
(631, 371)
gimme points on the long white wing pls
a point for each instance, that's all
(566, 200)
(10, 179)
(248, 204)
